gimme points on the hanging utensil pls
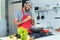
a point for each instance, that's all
(42, 17)
(47, 7)
(55, 8)
(38, 17)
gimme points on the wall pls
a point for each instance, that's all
(50, 16)
(3, 27)
(3, 9)
(0, 9)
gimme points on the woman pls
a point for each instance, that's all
(24, 17)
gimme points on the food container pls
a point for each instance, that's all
(45, 30)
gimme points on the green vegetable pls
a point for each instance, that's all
(23, 33)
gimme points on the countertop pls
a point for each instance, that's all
(53, 37)
(56, 36)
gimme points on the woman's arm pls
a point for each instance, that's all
(18, 23)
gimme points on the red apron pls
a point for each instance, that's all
(27, 24)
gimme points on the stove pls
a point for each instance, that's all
(39, 35)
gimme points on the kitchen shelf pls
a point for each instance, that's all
(46, 10)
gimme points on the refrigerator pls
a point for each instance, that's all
(12, 8)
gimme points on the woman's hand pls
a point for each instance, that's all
(32, 21)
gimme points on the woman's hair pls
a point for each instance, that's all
(27, 3)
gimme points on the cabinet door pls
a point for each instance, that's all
(12, 8)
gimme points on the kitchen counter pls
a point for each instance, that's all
(56, 36)
(53, 37)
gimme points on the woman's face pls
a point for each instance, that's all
(27, 7)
